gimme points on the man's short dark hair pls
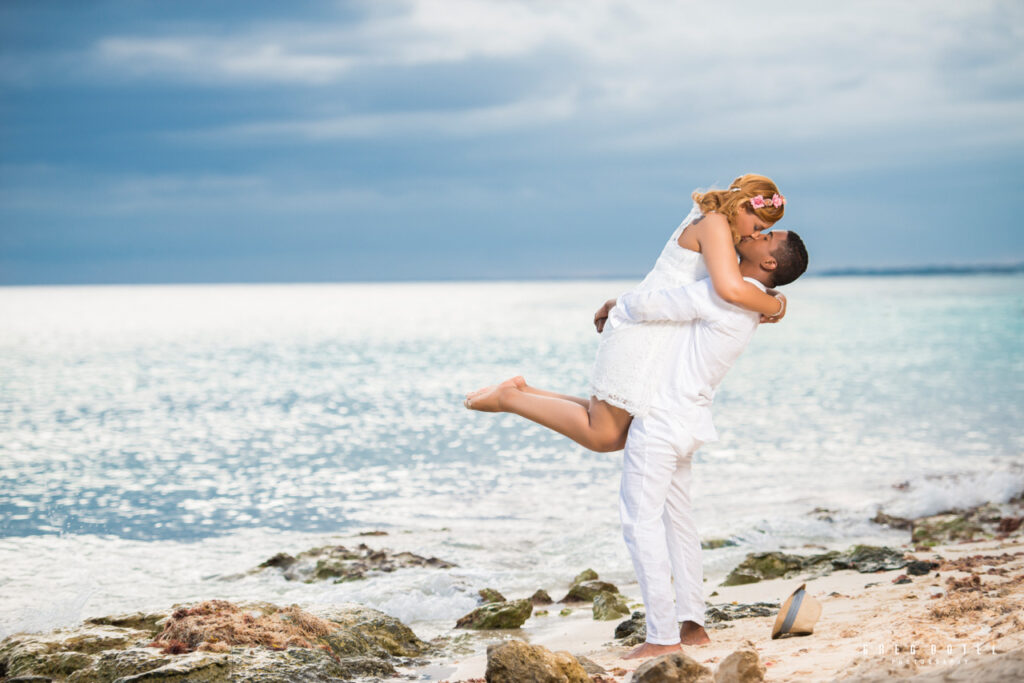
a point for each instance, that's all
(791, 256)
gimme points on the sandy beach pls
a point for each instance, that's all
(968, 610)
(932, 606)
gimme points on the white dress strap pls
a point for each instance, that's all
(690, 217)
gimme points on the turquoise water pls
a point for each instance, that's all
(225, 423)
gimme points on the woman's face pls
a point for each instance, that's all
(746, 223)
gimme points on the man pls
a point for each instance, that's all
(654, 504)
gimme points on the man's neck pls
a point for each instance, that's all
(750, 269)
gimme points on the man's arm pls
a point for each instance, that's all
(678, 304)
(601, 317)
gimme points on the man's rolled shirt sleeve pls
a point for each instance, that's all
(678, 304)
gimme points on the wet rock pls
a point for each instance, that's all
(510, 614)
(869, 558)
(743, 665)
(216, 641)
(902, 578)
(632, 631)
(713, 543)
(340, 564)
(588, 590)
(716, 615)
(674, 667)
(142, 621)
(590, 666)
(282, 560)
(824, 514)
(491, 595)
(585, 575)
(921, 567)
(381, 631)
(892, 521)
(515, 662)
(63, 652)
(541, 597)
(764, 565)
(608, 606)
(565, 612)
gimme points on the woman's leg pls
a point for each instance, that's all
(593, 424)
(519, 382)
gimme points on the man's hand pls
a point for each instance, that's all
(782, 314)
(601, 317)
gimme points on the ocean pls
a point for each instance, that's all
(157, 442)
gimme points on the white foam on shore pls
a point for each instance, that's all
(934, 493)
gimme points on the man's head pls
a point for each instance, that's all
(775, 258)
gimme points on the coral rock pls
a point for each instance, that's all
(515, 662)
(741, 666)
(674, 667)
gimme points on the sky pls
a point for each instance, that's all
(266, 141)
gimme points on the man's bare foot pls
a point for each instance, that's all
(692, 633)
(518, 382)
(652, 650)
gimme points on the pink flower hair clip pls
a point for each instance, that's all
(759, 202)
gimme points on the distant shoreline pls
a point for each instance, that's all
(990, 269)
(884, 271)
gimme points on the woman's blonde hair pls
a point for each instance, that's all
(731, 201)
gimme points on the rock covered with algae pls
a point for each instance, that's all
(339, 563)
(216, 640)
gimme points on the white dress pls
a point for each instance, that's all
(632, 356)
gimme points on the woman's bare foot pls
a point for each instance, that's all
(692, 633)
(518, 382)
(646, 650)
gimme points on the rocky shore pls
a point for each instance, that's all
(947, 603)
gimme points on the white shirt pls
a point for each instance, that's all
(705, 349)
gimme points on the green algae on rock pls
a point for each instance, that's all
(586, 591)
(775, 564)
(585, 575)
(498, 615)
(343, 564)
(608, 606)
(764, 565)
(541, 597)
(491, 595)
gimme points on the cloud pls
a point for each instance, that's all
(448, 123)
(209, 60)
(639, 74)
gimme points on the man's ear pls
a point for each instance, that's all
(768, 263)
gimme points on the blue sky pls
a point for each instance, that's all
(444, 139)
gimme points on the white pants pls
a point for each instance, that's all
(658, 524)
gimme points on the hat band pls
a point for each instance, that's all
(794, 607)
